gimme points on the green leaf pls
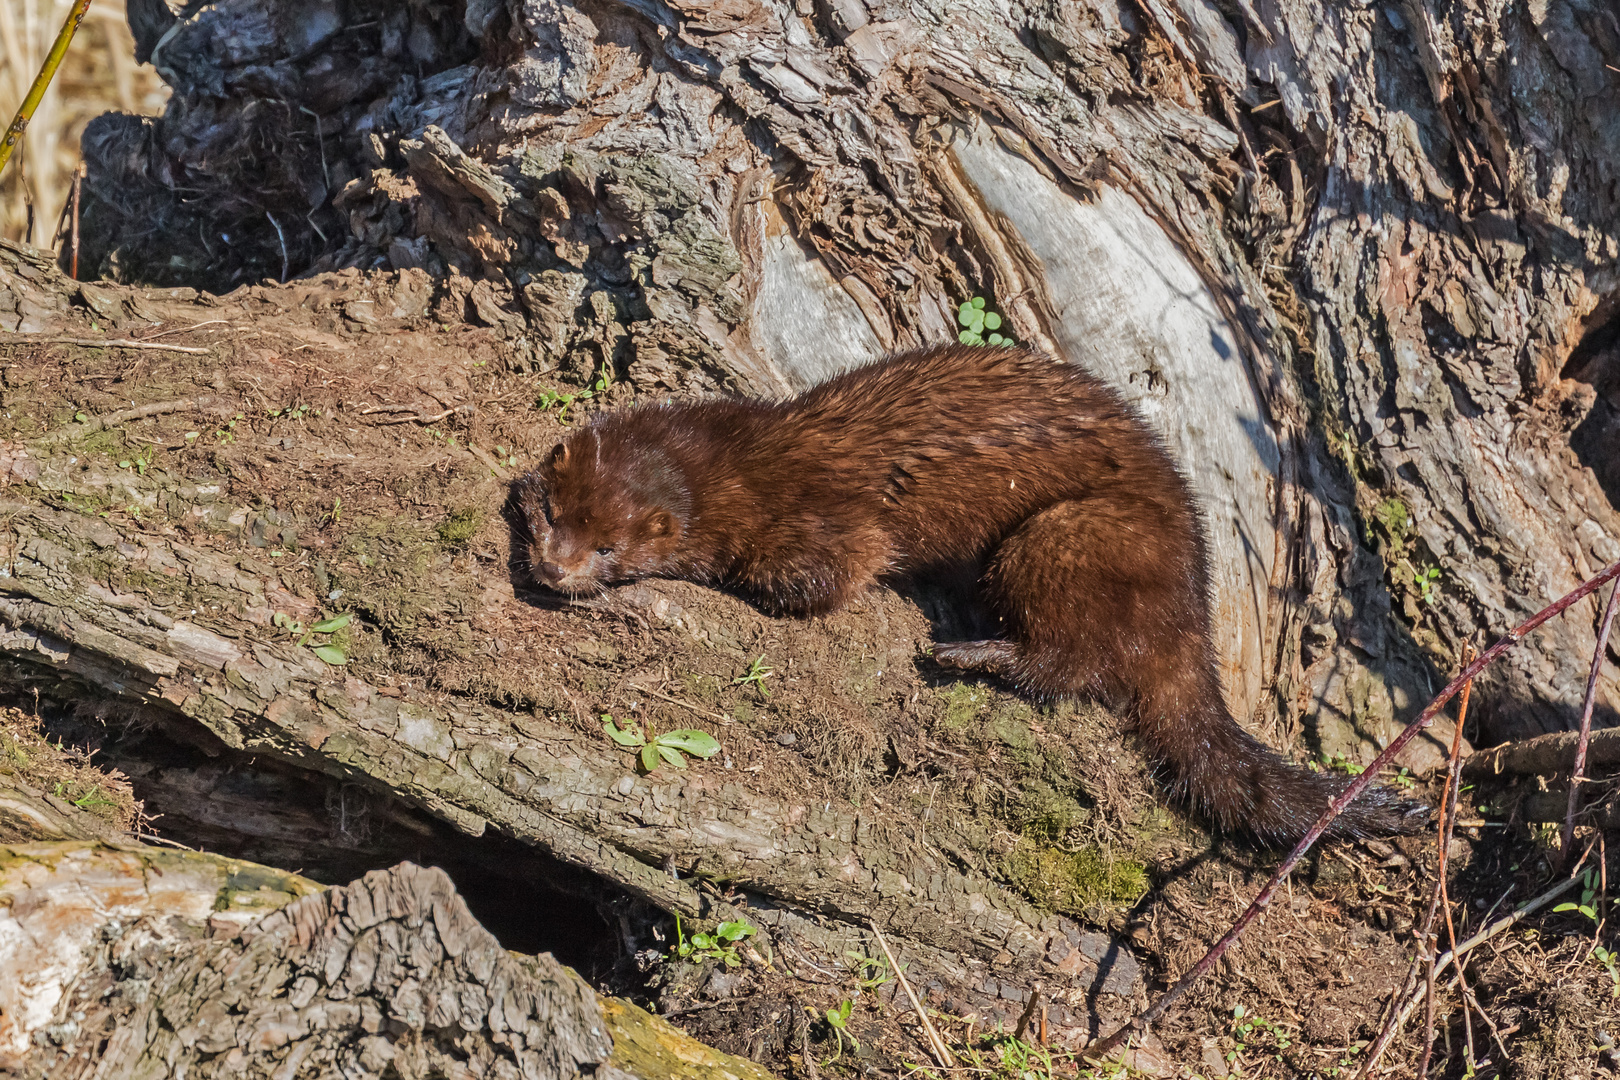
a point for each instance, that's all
(697, 743)
(627, 736)
(1565, 907)
(123, 464)
(80, 418)
(978, 303)
(327, 626)
(280, 619)
(649, 757)
(734, 931)
(996, 339)
(670, 755)
(331, 654)
(964, 314)
(992, 321)
(967, 337)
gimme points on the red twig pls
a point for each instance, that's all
(1337, 807)
(1568, 843)
(1440, 897)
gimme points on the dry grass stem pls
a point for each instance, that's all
(942, 1053)
(1577, 775)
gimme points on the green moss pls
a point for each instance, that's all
(647, 1045)
(1072, 882)
(962, 704)
(1010, 725)
(1042, 813)
(460, 526)
(1395, 520)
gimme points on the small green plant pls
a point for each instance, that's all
(980, 324)
(870, 971)
(335, 515)
(1403, 779)
(756, 674)
(1590, 901)
(557, 399)
(291, 412)
(91, 800)
(838, 1021)
(502, 457)
(671, 746)
(1248, 1028)
(1428, 583)
(140, 462)
(227, 434)
(719, 944)
(329, 651)
(1611, 964)
(1342, 764)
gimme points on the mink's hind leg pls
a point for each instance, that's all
(998, 657)
(1106, 598)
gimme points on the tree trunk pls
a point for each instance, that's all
(1356, 263)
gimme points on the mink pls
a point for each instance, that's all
(1094, 562)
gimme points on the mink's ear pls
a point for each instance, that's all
(558, 455)
(661, 523)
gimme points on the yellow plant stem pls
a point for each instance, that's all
(47, 72)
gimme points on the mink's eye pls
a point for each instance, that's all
(604, 551)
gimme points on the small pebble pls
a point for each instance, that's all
(786, 738)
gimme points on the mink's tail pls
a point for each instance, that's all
(1244, 785)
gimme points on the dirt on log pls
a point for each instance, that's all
(178, 566)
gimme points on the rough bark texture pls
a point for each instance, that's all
(132, 961)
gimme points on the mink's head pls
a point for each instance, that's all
(604, 507)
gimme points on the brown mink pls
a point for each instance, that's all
(1093, 552)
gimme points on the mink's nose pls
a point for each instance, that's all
(549, 573)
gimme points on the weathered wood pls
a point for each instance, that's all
(134, 961)
(1545, 755)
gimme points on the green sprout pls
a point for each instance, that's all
(756, 674)
(980, 325)
(330, 651)
(838, 1020)
(718, 944)
(668, 747)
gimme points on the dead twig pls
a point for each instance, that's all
(1576, 776)
(685, 705)
(942, 1053)
(1338, 805)
(1440, 897)
(104, 343)
(124, 416)
(1524, 911)
(78, 186)
(182, 329)
(414, 417)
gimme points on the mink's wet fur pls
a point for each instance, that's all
(1094, 552)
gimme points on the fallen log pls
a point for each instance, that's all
(125, 960)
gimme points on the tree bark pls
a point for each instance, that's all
(124, 960)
